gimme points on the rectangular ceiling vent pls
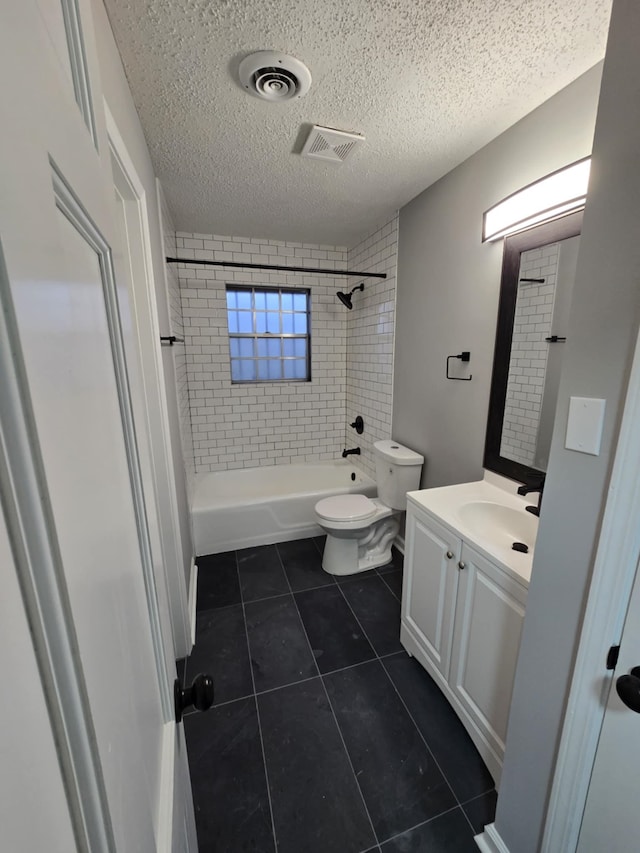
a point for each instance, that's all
(325, 143)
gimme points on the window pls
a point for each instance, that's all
(268, 334)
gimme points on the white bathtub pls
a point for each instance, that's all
(259, 506)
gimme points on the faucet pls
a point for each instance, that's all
(527, 489)
(355, 452)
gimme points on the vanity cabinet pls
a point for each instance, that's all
(462, 618)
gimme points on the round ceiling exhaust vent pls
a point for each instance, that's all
(274, 76)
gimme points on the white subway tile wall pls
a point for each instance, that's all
(529, 351)
(242, 426)
(178, 351)
(370, 335)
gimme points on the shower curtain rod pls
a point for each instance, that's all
(311, 270)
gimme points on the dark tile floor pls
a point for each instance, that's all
(326, 737)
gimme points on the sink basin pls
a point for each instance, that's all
(500, 524)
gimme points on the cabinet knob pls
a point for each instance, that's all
(461, 565)
(449, 555)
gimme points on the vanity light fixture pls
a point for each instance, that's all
(557, 194)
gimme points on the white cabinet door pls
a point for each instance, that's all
(489, 615)
(429, 588)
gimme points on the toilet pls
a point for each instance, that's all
(361, 530)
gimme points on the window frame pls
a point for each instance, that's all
(256, 336)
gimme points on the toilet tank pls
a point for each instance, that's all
(398, 471)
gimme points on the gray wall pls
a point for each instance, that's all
(448, 282)
(602, 333)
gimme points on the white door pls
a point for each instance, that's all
(610, 817)
(30, 776)
(74, 472)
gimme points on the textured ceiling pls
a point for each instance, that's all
(428, 82)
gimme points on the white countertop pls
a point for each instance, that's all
(444, 504)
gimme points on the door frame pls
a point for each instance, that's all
(155, 399)
(612, 580)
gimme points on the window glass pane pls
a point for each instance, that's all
(246, 347)
(244, 299)
(273, 348)
(245, 321)
(273, 324)
(247, 369)
(275, 368)
(264, 316)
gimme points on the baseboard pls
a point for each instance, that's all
(166, 816)
(193, 594)
(489, 841)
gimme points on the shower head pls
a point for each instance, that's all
(345, 298)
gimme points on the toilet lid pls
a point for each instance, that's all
(345, 508)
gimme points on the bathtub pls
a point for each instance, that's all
(259, 506)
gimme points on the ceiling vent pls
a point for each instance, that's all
(325, 143)
(274, 76)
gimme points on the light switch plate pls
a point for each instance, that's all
(584, 425)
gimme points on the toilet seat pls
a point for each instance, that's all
(346, 508)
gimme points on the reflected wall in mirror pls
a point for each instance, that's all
(538, 272)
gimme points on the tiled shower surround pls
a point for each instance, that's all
(370, 330)
(247, 425)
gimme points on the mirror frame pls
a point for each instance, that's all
(514, 246)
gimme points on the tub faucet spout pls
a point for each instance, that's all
(355, 452)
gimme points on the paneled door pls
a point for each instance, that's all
(609, 821)
(73, 491)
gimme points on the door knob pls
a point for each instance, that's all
(200, 695)
(628, 689)
(449, 555)
(462, 565)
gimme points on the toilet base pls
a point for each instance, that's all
(351, 556)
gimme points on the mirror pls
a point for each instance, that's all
(538, 271)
